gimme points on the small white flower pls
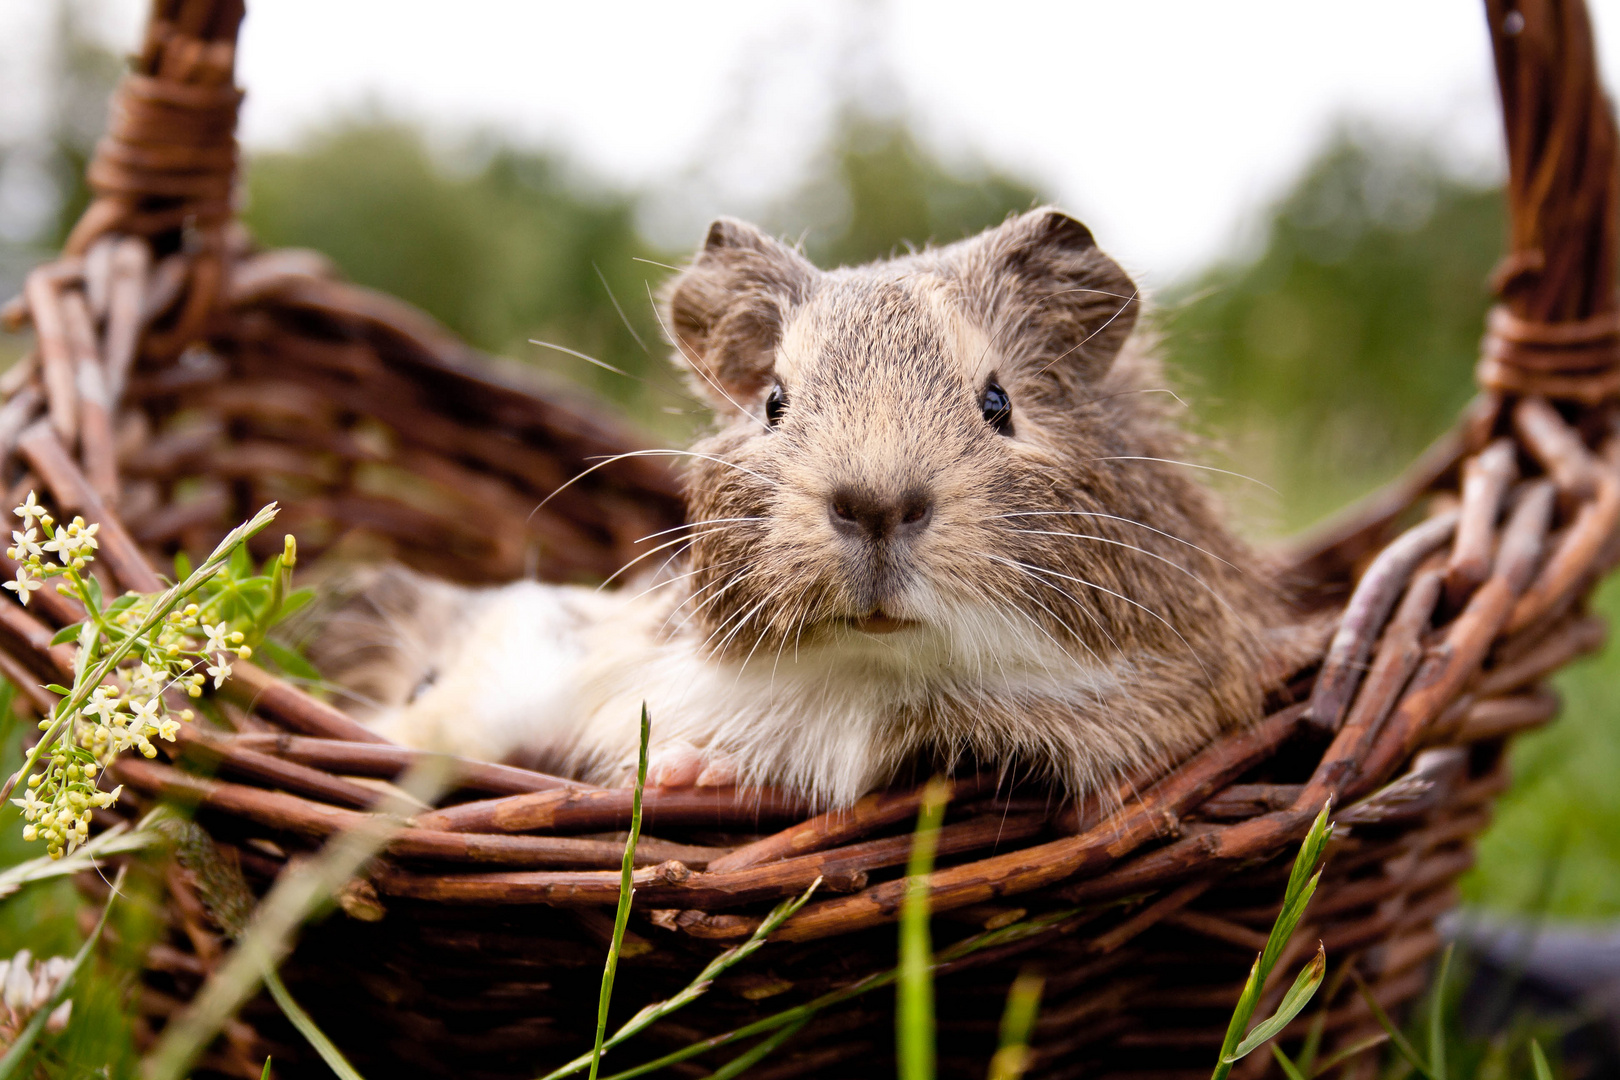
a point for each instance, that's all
(220, 670)
(146, 682)
(101, 706)
(27, 543)
(29, 510)
(168, 729)
(61, 545)
(218, 638)
(145, 715)
(24, 584)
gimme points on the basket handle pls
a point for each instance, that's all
(168, 159)
(1555, 331)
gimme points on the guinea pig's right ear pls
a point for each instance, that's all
(727, 311)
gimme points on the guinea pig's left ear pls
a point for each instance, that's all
(726, 311)
(1072, 306)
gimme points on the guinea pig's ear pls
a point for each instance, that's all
(727, 310)
(1063, 301)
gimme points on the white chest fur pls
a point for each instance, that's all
(558, 675)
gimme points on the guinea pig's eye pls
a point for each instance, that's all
(775, 405)
(996, 407)
(428, 679)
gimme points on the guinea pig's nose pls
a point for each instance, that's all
(860, 513)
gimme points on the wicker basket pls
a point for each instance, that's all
(181, 379)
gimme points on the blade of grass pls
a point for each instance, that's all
(1017, 1025)
(757, 1053)
(1538, 1061)
(295, 895)
(306, 1027)
(651, 1014)
(626, 892)
(1402, 1044)
(265, 1075)
(1289, 1069)
(1437, 1017)
(914, 1012)
(26, 1038)
(1332, 1061)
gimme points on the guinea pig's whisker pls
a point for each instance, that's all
(728, 584)
(1085, 609)
(691, 356)
(614, 300)
(603, 364)
(1132, 547)
(737, 624)
(1128, 301)
(649, 554)
(1119, 596)
(1127, 393)
(1190, 465)
(645, 453)
(1125, 520)
(678, 578)
(695, 524)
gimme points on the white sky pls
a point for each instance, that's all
(1162, 123)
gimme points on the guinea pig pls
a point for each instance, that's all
(941, 518)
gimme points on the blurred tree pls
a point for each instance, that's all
(1349, 339)
(874, 189)
(505, 245)
(501, 244)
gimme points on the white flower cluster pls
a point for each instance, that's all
(27, 986)
(175, 655)
(73, 547)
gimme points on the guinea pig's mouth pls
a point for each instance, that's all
(879, 623)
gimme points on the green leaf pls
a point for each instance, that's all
(1298, 996)
(66, 634)
(58, 688)
(265, 1075)
(294, 601)
(93, 587)
(182, 569)
(241, 563)
(289, 661)
(1538, 1061)
(1288, 1067)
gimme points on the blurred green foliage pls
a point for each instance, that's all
(500, 244)
(1347, 342)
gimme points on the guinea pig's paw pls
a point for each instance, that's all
(680, 764)
(719, 770)
(674, 765)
